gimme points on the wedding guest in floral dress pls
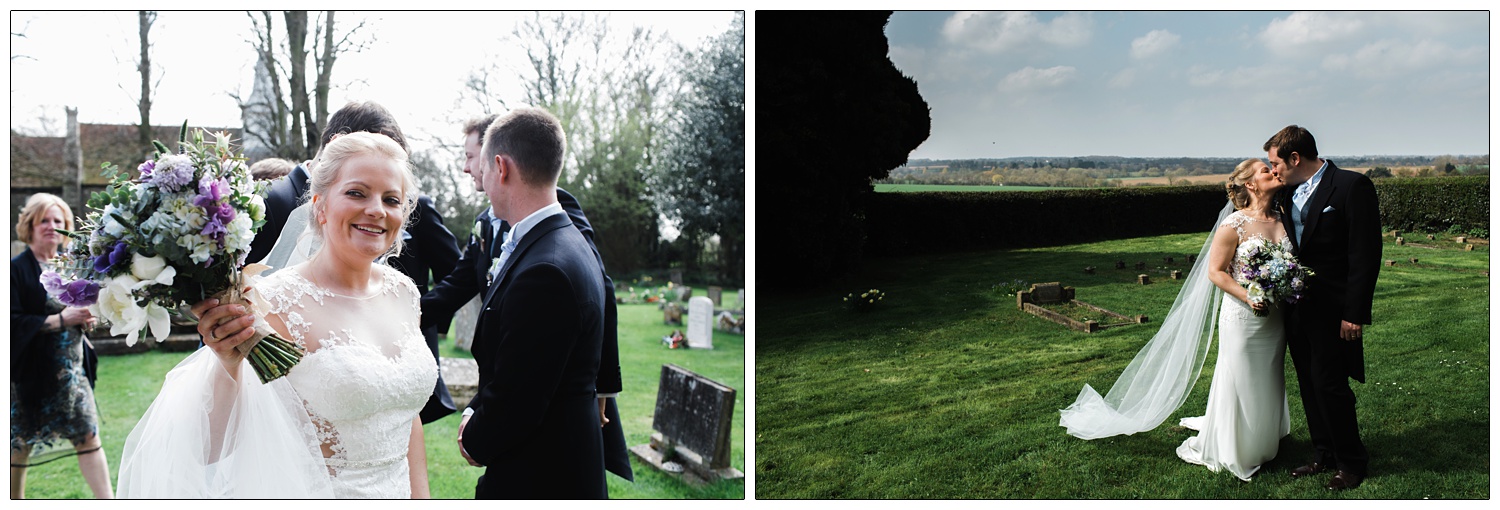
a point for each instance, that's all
(51, 376)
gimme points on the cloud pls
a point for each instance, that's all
(1301, 31)
(1392, 58)
(1153, 43)
(1123, 79)
(996, 32)
(1031, 78)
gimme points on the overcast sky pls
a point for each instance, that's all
(415, 65)
(1209, 84)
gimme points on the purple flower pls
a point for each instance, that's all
(173, 172)
(53, 282)
(214, 189)
(80, 293)
(103, 263)
(214, 229)
(145, 170)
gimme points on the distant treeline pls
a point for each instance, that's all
(1103, 171)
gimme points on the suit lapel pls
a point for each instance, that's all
(1319, 199)
(542, 228)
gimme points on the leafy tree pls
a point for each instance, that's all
(700, 178)
(1378, 172)
(840, 114)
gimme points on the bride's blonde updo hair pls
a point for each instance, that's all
(342, 148)
(1235, 188)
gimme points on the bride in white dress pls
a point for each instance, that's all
(343, 423)
(1246, 415)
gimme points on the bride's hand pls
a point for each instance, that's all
(1259, 307)
(224, 327)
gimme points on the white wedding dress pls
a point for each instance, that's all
(1247, 415)
(338, 425)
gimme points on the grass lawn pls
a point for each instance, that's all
(127, 384)
(946, 390)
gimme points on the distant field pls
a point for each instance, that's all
(882, 188)
(1162, 181)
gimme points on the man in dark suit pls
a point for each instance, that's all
(430, 247)
(535, 422)
(470, 278)
(1333, 218)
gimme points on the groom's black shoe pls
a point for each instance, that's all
(1310, 469)
(1344, 480)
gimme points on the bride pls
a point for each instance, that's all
(343, 423)
(1246, 416)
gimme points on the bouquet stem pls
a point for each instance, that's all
(269, 354)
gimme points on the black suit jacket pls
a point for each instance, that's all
(1341, 244)
(283, 195)
(536, 424)
(469, 278)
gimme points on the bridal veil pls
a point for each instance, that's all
(1162, 374)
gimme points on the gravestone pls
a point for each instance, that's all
(716, 294)
(742, 299)
(1414, 260)
(1176, 274)
(1400, 241)
(1468, 247)
(1119, 264)
(1047, 293)
(693, 419)
(1144, 279)
(1461, 239)
(461, 376)
(1088, 270)
(1192, 259)
(464, 322)
(676, 277)
(1140, 265)
(1391, 263)
(671, 314)
(700, 323)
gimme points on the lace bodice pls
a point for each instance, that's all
(1249, 228)
(366, 374)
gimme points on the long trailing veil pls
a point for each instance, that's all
(1162, 374)
(207, 435)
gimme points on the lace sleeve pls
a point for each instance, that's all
(1236, 221)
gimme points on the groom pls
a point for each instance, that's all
(538, 343)
(1334, 221)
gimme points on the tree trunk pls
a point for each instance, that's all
(325, 73)
(296, 31)
(144, 130)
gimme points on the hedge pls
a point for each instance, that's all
(938, 222)
(1436, 204)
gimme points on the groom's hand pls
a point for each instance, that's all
(603, 420)
(461, 450)
(1351, 332)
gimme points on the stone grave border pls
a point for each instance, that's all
(1030, 301)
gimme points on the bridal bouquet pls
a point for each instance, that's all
(177, 234)
(1270, 273)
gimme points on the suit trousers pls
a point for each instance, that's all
(1322, 377)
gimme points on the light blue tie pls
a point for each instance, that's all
(505, 248)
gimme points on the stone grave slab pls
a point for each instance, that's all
(693, 419)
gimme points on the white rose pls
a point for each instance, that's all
(146, 268)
